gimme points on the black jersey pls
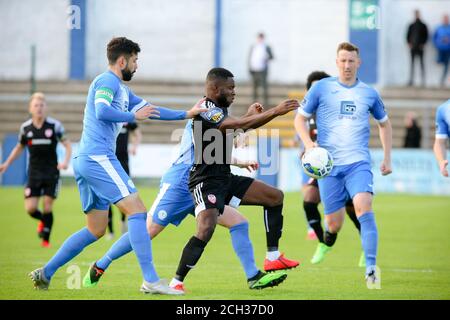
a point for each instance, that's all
(122, 139)
(41, 143)
(212, 148)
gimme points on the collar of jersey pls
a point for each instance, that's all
(115, 75)
(348, 87)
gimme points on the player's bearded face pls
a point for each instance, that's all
(127, 74)
(130, 68)
(226, 96)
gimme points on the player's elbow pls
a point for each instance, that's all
(100, 112)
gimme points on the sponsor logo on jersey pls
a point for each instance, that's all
(29, 134)
(348, 108)
(214, 115)
(48, 133)
(212, 198)
(36, 142)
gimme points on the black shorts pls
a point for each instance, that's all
(41, 187)
(218, 192)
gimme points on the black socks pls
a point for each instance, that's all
(273, 221)
(190, 256)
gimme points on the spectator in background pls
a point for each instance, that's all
(259, 57)
(413, 131)
(441, 40)
(417, 37)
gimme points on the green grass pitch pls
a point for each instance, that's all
(414, 254)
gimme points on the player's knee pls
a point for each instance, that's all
(30, 209)
(205, 234)
(311, 195)
(206, 228)
(276, 198)
(98, 232)
(48, 207)
(334, 226)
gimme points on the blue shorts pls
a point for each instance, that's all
(343, 183)
(101, 181)
(174, 201)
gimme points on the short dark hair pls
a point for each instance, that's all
(121, 46)
(218, 74)
(315, 76)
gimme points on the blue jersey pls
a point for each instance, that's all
(186, 155)
(342, 117)
(443, 121)
(107, 94)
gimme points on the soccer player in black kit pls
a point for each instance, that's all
(41, 135)
(128, 129)
(211, 183)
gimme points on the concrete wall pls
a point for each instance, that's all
(394, 53)
(27, 22)
(303, 35)
(176, 37)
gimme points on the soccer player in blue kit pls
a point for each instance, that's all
(100, 177)
(174, 203)
(442, 134)
(342, 106)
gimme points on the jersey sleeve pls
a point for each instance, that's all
(441, 125)
(22, 138)
(135, 102)
(310, 102)
(378, 110)
(213, 117)
(106, 89)
(60, 131)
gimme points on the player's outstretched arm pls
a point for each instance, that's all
(385, 132)
(257, 120)
(13, 156)
(171, 114)
(255, 108)
(440, 150)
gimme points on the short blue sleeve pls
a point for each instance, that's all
(310, 102)
(442, 130)
(105, 89)
(378, 110)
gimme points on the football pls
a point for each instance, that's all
(317, 163)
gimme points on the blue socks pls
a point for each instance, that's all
(120, 248)
(141, 244)
(369, 238)
(243, 248)
(69, 249)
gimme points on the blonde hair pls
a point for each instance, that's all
(347, 46)
(37, 95)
